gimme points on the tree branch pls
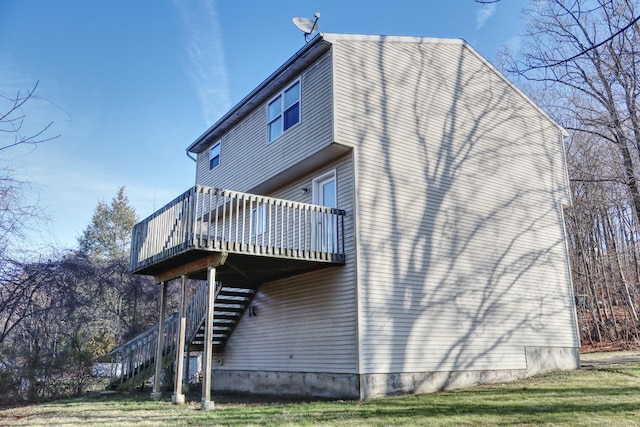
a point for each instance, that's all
(616, 180)
(12, 123)
(586, 50)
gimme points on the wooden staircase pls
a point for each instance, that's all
(136, 358)
(230, 305)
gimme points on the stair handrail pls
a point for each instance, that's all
(150, 331)
(197, 309)
(137, 356)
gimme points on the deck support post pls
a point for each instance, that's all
(156, 393)
(178, 397)
(206, 403)
(187, 368)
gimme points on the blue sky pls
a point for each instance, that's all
(129, 84)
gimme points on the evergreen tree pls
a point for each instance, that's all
(108, 236)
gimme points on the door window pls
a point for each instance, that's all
(324, 230)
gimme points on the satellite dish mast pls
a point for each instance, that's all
(306, 25)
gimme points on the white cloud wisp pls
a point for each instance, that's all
(484, 13)
(205, 56)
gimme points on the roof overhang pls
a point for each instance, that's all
(310, 163)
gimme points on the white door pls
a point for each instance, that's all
(324, 230)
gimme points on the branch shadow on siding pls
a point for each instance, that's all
(468, 209)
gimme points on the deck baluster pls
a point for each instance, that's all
(213, 219)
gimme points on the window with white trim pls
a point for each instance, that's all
(214, 155)
(283, 111)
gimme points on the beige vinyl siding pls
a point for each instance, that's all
(305, 323)
(247, 159)
(460, 182)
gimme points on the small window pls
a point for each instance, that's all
(283, 111)
(214, 155)
(257, 219)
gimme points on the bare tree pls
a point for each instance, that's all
(15, 213)
(28, 297)
(597, 82)
(12, 118)
(603, 242)
(580, 59)
(50, 329)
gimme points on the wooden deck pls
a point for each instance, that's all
(249, 240)
(262, 238)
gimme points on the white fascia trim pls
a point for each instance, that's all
(333, 37)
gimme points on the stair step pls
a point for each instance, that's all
(236, 294)
(228, 307)
(230, 304)
(200, 335)
(231, 289)
(228, 324)
(232, 300)
(228, 315)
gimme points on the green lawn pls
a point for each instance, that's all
(586, 357)
(601, 396)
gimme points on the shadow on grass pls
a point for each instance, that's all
(406, 413)
(608, 396)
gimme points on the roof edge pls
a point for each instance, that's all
(515, 87)
(334, 37)
(316, 46)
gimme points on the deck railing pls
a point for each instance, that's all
(206, 218)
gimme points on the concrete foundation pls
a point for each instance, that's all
(294, 384)
(546, 359)
(375, 385)
(539, 360)
(352, 386)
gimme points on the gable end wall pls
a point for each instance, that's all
(460, 184)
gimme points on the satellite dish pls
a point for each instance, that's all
(307, 25)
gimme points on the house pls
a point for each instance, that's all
(381, 215)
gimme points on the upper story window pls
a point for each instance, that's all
(284, 111)
(214, 155)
